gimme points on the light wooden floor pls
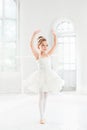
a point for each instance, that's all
(66, 111)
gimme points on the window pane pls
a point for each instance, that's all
(0, 8)
(67, 53)
(59, 52)
(72, 53)
(72, 66)
(1, 56)
(72, 39)
(70, 78)
(1, 51)
(10, 30)
(0, 30)
(69, 67)
(66, 39)
(60, 40)
(8, 35)
(9, 64)
(66, 66)
(10, 8)
(56, 65)
(64, 27)
(9, 50)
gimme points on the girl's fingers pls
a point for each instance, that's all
(53, 32)
(37, 31)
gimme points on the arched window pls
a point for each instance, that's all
(65, 53)
(8, 35)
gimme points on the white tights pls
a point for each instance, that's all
(42, 103)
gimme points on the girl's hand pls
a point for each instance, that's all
(54, 35)
(33, 36)
(36, 32)
(53, 32)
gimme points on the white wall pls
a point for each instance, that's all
(41, 15)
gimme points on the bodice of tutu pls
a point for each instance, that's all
(44, 63)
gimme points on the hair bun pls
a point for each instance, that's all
(40, 37)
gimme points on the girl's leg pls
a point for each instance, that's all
(41, 98)
(42, 104)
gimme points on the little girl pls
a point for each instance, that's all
(45, 79)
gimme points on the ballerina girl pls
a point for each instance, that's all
(45, 80)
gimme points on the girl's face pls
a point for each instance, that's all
(43, 46)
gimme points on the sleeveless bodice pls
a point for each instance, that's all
(44, 63)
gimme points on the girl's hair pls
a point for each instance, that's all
(40, 40)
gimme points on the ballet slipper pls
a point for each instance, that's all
(42, 121)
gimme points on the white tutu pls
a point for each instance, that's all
(44, 79)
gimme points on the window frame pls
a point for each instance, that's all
(69, 34)
(17, 56)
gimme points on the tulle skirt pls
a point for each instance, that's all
(44, 81)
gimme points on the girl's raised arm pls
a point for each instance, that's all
(35, 53)
(54, 44)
